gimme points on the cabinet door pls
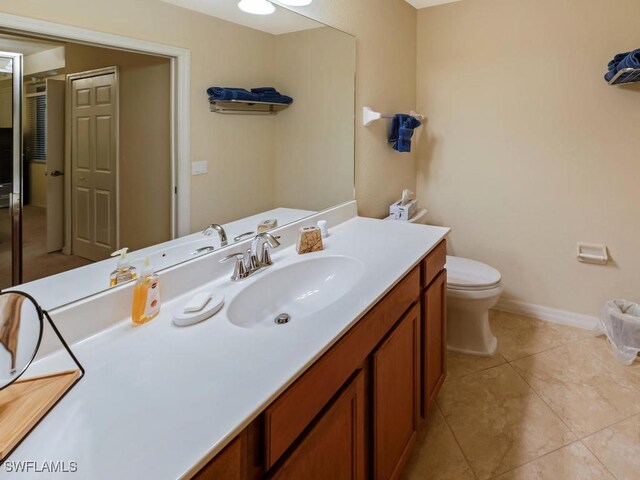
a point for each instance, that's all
(335, 446)
(396, 388)
(435, 340)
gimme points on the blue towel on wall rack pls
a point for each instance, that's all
(622, 61)
(261, 94)
(271, 95)
(402, 127)
(232, 93)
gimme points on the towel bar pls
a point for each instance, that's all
(369, 116)
(626, 75)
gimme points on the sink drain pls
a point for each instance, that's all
(282, 318)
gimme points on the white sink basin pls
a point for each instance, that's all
(298, 290)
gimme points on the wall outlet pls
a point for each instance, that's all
(199, 168)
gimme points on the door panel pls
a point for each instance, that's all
(55, 164)
(94, 166)
(396, 389)
(334, 448)
(435, 351)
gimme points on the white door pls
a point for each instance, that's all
(93, 166)
(55, 164)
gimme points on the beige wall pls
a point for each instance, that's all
(386, 81)
(145, 139)
(528, 150)
(37, 184)
(314, 147)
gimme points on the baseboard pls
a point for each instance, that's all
(547, 314)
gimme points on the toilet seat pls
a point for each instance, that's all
(466, 275)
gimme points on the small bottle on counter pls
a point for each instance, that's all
(146, 296)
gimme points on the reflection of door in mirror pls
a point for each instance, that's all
(10, 157)
(94, 164)
(69, 222)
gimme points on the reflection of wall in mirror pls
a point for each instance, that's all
(314, 148)
(145, 139)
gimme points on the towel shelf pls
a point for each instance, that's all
(239, 107)
(626, 75)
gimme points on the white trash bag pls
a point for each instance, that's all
(620, 322)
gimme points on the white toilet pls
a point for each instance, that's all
(472, 289)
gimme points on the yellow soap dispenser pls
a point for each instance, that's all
(146, 295)
(124, 271)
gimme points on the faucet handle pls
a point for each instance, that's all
(240, 270)
(266, 246)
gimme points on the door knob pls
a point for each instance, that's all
(56, 173)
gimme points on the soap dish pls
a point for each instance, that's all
(213, 306)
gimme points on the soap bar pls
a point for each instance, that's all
(197, 303)
(309, 240)
(266, 225)
(213, 305)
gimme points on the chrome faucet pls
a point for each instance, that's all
(255, 259)
(218, 228)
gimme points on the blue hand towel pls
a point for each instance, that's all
(232, 93)
(402, 127)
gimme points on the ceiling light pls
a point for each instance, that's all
(296, 3)
(257, 7)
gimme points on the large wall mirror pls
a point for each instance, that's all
(100, 170)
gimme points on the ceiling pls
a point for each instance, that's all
(282, 21)
(26, 47)
(429, 3)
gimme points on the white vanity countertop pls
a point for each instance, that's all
(159, 401)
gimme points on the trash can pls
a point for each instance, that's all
(620, 322)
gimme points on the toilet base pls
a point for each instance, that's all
(492, 350)
(468, 329)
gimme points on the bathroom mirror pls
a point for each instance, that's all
(20, 335)
(104, 161)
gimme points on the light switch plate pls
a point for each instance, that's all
(199, 168)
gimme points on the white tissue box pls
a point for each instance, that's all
(403, 212)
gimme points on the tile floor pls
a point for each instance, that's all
(553, 404)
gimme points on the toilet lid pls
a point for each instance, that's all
(466, 273)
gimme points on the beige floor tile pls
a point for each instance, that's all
(459, 364)
(599, 347)
(573, 462)
(580, 388)
(436, 455)
(499, 422)
(520, 336)
(618, 447)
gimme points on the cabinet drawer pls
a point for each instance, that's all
(434, 263)
(294, 410)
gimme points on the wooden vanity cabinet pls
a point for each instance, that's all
(354, 413)
(434, 326)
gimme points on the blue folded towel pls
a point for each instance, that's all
(231, 93)
(632, 60)
(264, 90)
(275, 98)
(402, 127)
(622, 61)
